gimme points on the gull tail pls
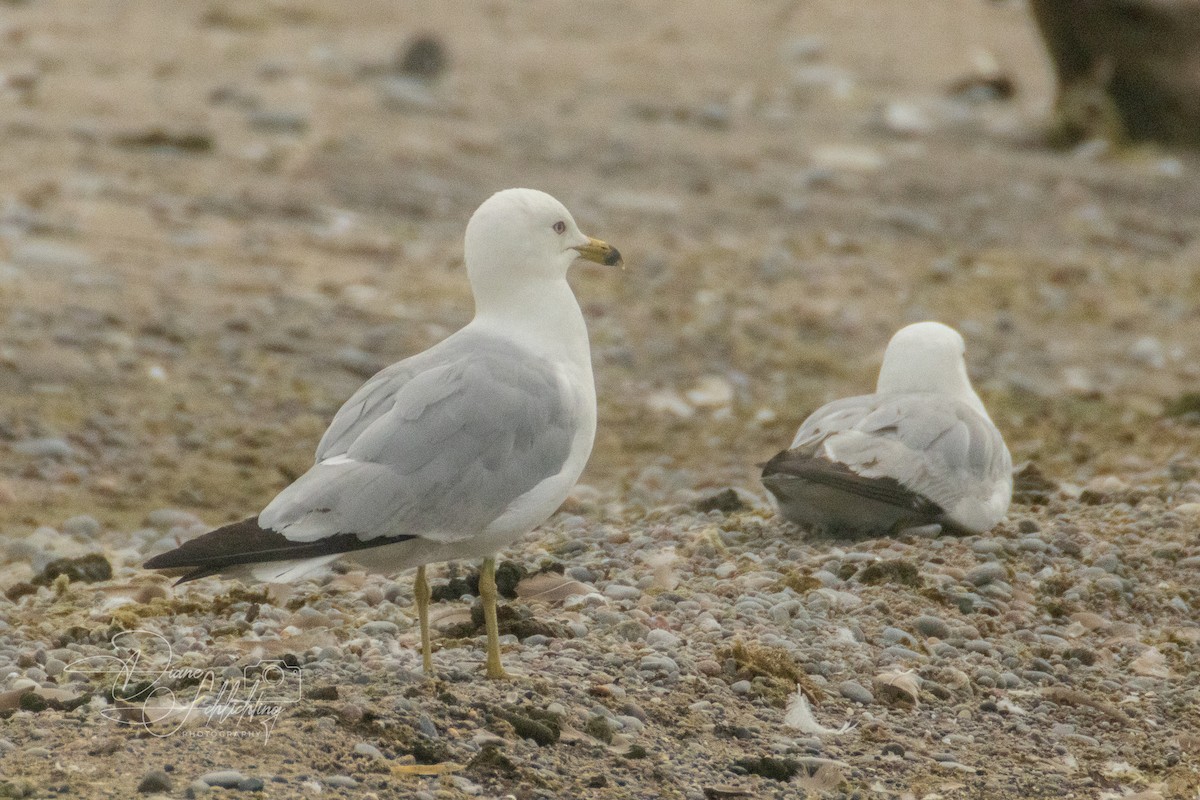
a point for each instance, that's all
(247, 547)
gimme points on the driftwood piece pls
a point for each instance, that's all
(1128, 70)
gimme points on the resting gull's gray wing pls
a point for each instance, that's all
(928, 454)
(436, 446)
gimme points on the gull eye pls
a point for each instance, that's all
(560, 226)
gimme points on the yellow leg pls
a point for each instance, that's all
(421, 590)
(487, 594)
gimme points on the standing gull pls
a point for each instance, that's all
(921, 452)
(454, 452)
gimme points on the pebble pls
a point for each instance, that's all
(155, 781)
(82, 526)
(931, 626)
(740, 687)
(53, 448)
(855, 691)
(341, 781)
(616, 591)
(226, 779)
(986, 573)
(369, 750)
(661, 639)
(408, 95)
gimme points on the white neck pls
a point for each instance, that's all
(952, 381)
(542, 316)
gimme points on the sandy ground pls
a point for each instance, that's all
(216, 219)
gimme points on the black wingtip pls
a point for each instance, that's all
(246, 542)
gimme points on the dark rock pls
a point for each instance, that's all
(88, 569)
(424, 58)
(508, 575)
(725, 501)
(534, 723)
(897, 571)
(165, 140)
(155, 781)
(777, 769)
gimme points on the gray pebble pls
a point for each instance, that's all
(290, 122)
(369, 750)
(225, 778)
(659, 664)
(341, 782)
(45, 448)
(616, 591)
(407, 95)
(82, 526)
(741, 687)
(251, 785)
(892, 635)
(661, 639)
(855, 691)
(986, 573)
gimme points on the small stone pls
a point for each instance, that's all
(740, 687)
(856, 692)
(286, 122)
(368, 750)
(661, 639)
(82, 526)
(250, 785)
(57, 449)
(906, 119)
(407, 95)
(616, 591)
(986, 573)
(931, 626)
(89, 569)
(155, 781)
(342, 781)
(226, 778)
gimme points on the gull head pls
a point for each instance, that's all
(927, 357)
(526, 236)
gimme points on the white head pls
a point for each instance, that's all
(519, 238)
(927, 357)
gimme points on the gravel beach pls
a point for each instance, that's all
(218, 219)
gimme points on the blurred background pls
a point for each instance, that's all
(218, 218)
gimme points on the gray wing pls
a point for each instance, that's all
(936, 446)
(436, 446)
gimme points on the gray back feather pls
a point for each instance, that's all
(437, 445)
(937, 446)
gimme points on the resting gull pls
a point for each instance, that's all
(920, 452)
(454, 452)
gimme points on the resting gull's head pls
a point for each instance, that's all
(927, 357)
